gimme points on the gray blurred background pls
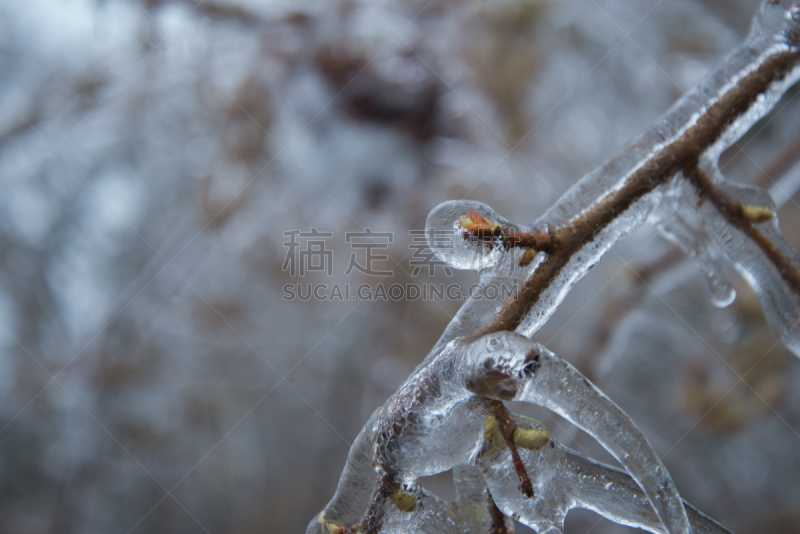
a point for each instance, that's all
(153, 154)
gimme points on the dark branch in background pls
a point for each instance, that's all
(20, 127)
(233, 13)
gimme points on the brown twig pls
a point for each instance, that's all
(732, 210)
(498, 518)
(507, 428)
(562, 243)
(620, 307)
(682, 155)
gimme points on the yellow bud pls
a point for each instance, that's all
(532, 439)
(465, 222)
(757, 214)
(527, 257)
(490, 427)
(329, 527)
(404, 500)
(491, 434)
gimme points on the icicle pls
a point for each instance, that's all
(776, 283)
(696, 242)
(755, 245)
(560, 387)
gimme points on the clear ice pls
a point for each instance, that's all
(445, 417)
(447, 239)
(449, 414)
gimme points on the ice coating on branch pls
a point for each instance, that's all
(584, 259)
(445, 417)
(564, 479)
(616, 199)
(555, 384)
(450, 414)
(497, 284)
(463, 234)
(759, 252)
(414, 509)
(697, 243)
(775, 32)
(467, 235)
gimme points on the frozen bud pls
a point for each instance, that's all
(466, 234)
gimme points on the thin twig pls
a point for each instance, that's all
(682, 155)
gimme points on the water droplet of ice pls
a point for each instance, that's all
(460, 234)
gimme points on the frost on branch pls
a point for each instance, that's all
(450, 414)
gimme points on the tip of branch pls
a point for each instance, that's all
(478, 226)
(757, 214)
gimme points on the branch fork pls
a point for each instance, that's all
(450, 413)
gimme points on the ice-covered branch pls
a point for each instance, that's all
(508, 366)
(450, 414)
(564, 479)
(652, 171)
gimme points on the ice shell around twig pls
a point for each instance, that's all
(695, 242)
(451, 231)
